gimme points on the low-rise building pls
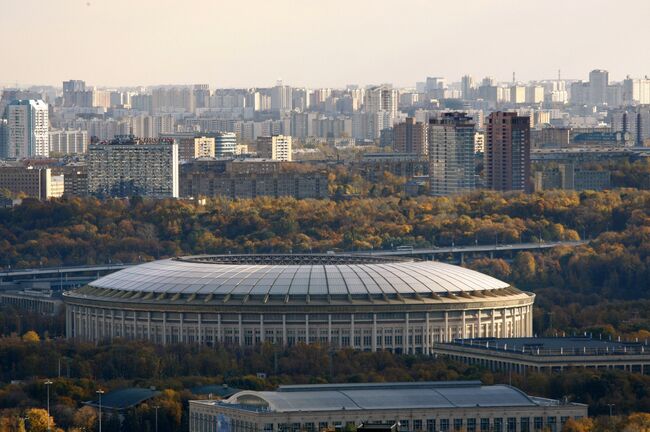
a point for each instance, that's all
(548, 354)
(567, 176)
(250, 178)
(29, 181)
(417, 406)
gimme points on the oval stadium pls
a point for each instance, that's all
(362, 302)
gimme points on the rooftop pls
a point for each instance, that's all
(124, 398)
(379, 396)
(551, 346)
(301, 276)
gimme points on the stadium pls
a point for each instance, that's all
(364, 302)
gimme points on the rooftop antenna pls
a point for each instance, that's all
(514, 80)
(559, 75)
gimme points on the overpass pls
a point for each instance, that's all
(69, 277)
(485, 249)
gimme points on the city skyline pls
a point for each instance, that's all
(253, 44)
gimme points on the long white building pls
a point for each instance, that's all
(415, 406)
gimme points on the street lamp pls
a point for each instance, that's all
(100, 392)
(48, 383)
(610, 409)
(156, 408)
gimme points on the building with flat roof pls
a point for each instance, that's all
(250, 178)
(28, 124)
(277, 147)
(30, 181)
(507, 152)
(548, 354)
(451, 154)
(129, 166)
(416, 406)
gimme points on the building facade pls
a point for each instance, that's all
(225, 144)
(128, 166)
(276, 147)
(365, 303)
(410, 137)
(415, 406)
(28, 125)
(451, 154)
(33, 182)
(250, 178)
(507, 152)
(68, 141)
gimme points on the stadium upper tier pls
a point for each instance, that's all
(294, 278)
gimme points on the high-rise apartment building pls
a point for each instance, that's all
(467, 87)
(410, 137)
(281, 97)
(28, 124)
(276, 147)
(68, 141)
(129, 166)
(73, 92)
(598, 82)
(507, 152)
(225, 144)
(451, 154)
(636, 91)
(204, 147)
(381, 98)
(4, 139)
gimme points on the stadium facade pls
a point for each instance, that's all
(364, 302)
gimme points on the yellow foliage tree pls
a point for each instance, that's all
(31, 336)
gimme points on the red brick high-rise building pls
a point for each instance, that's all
(410, 137)
(507, 152)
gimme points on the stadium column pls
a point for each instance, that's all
(406, 344)
(351, 331)
(122, 324)
(446, 338)
(503, 323)
(284, 330)
(180, 327)
(493, 331)
(463, 333)
(112, 324)
(198, 327)
(261, 328)
(307, 329)
(427, 334)
(329, 329)
(241, 332)
(164, 329)
(373, 343)
(219, 332)
(478, 323)
(149, 325)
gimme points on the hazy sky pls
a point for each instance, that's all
(317, 43)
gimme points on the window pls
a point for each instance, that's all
(404, 425)
(431, 425)
(485, 425)
(551, 423)
(525, 424)
(322, 426)
(417, 425)
(512, 424)
(444, 425)
(471, 425)
(458, 424)
(498, 424)
(538, 423)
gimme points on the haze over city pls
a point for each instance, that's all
(334, 216)
(308, 43)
